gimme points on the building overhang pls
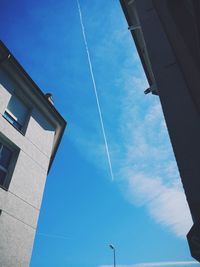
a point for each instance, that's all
(130, 13)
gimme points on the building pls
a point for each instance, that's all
(167, 37)
(30, 132)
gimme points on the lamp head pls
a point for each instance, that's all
(111, 246)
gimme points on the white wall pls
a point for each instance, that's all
(21, 203)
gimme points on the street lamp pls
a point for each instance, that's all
(113, 248)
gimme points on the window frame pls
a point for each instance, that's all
(11, 119)
(9, 171)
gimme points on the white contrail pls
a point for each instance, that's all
(95, 90)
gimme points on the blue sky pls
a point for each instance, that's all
(143, 212)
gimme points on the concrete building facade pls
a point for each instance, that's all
(30, 133)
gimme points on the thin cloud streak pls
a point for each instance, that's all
(53, 236)
(157, 264)
(95, 90)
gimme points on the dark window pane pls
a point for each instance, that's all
(12, 120)
(8, 117)
(5, 156)
(17, 108)
(2, 177)
(17, 125)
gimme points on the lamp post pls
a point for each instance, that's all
(113, 248)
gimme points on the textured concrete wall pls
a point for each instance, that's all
(40, 132)
(16, 240)
(20, 205)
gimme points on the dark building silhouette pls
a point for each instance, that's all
(167, 37)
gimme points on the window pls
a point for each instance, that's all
(16, 113)
(8, 157)
(5, 159)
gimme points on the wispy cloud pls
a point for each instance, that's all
(148, 167)
(165, 203)
(141, 152)
(157, 264)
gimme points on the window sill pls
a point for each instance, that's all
(4, 188)
(20, 131)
